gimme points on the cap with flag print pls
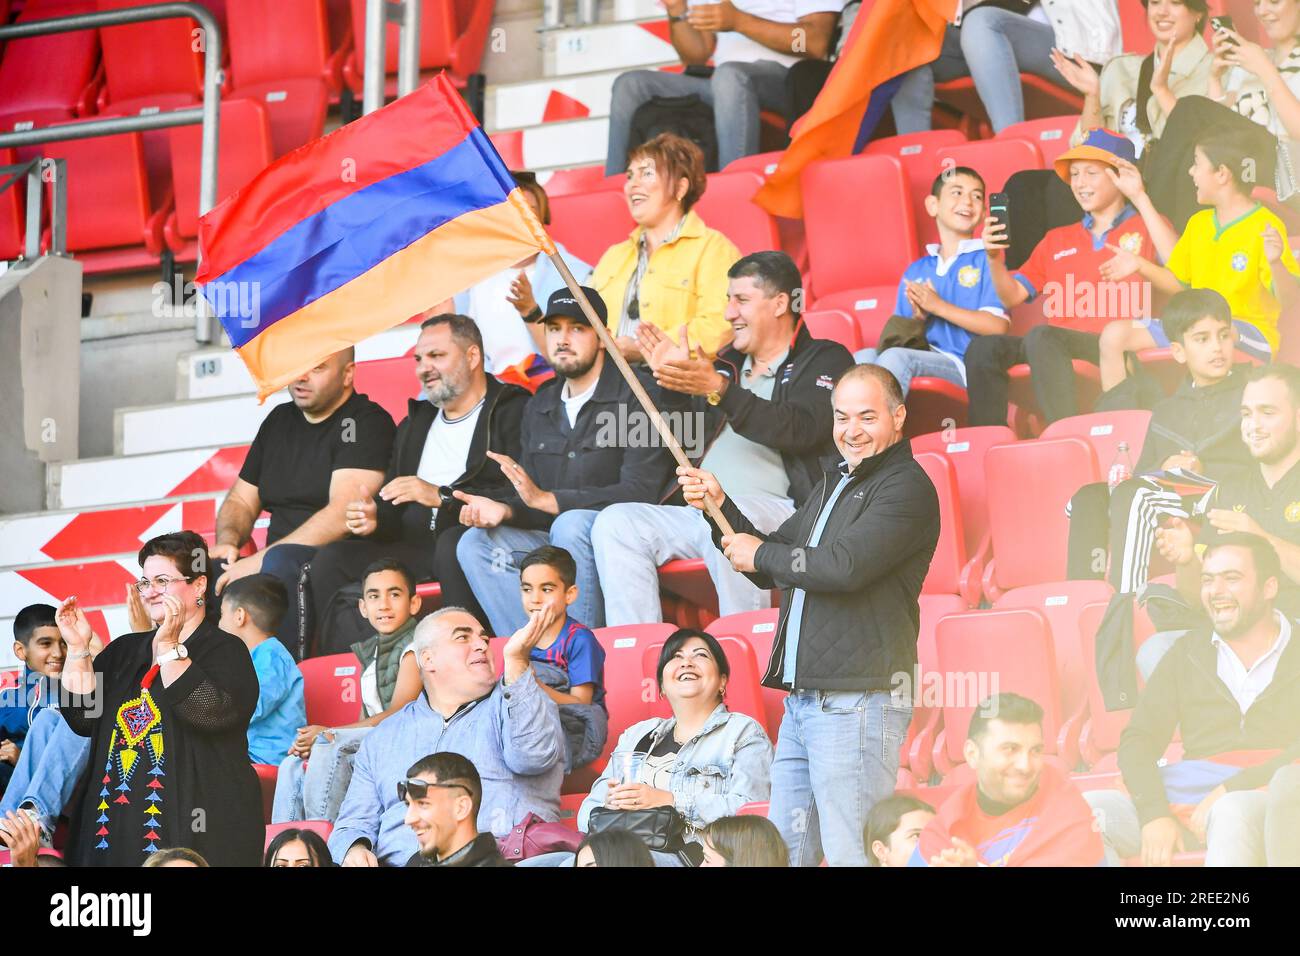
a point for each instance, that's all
(356, 232)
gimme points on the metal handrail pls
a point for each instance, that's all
(405, 13)
(208, 114)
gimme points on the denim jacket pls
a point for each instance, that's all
(726, 765)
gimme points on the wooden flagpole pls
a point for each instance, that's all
(634, 383)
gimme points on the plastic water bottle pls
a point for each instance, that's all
(1121, 469)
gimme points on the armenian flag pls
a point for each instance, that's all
(357, 231)
(894, 36)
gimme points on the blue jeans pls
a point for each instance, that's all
(907, 364)
(48, 768)
(314, 789)
(490, 558)
(736, 91)
(836, 757)
(993, 47)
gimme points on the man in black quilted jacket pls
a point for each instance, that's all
(849, 563)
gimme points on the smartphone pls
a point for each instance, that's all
(1221, 24)
(1000, 210)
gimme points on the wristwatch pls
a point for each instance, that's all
(715, 397)
(177, 653)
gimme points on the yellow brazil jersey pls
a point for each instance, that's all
(1230, 259)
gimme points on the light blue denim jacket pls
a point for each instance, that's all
(512, 736)
(726, 765)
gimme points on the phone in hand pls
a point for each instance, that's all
(1000, 212)
(1221, 24)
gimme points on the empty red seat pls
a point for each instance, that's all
(934, 404)
(728, 206)
(759, 629)
(323, 827)
(1104, 431)
(32, 94)
(945, 575)
(589, 223)
(12, 213)
(331, 687)
(917, 152)
(1025, 413)
(994, 159)
(581, 179)
(762, 163)
(834, 325)
(982, 653)
(744, 691)
(925, 683)
(244, 151)
(391, 382)
(859, 223)
(1029, 484)
(870, 308)
(453, 34)
(280, 55)
(1051, 135)
(152, 64)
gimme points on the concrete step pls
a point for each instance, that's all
(559, 145)
(607, 46)
(142, 479)
(201, 423)
(519, 105)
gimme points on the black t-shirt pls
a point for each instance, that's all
(291, 460)
(1276, 510)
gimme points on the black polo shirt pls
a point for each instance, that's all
(1276, 510)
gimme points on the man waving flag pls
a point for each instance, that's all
(358, 231)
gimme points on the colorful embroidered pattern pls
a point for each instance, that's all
(137, 733)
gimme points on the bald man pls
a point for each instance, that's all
(311, 456)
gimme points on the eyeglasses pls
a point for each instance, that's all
(419, 789)
(162, 583)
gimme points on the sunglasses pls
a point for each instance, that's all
(419, 789)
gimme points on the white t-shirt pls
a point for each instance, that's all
(370, 702)
(506, 339)
(446, 449)
(735, 47)
(573, 404)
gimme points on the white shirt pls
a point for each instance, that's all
(506, 339)
(446, 449)
(735, 47)
(1247, 683)
(370, 702)
(573, 403)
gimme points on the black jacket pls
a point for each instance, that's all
(605, 459)
(1185, 693)
(861, 612)
(482, 851)
(497, 429)
(796, 421)
(1204, 420)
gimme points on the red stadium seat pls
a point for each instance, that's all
(916, 755)
(332, 688)
(244, 151)
(582, 179)
(762, 163)
(845, 200)
(945, 575)
(1025, 413)
(1030, 483)
(280, 56)
(834, 325)
(453, 34)
(391, 382)
(13, 216)
(1104, 431)
(1101, 732)
(934, 404)
(758, 628)
(994, 159)
(966, 448)
(150, 64)
(1041, 98)
(266, 777)
(744, 692)
(111, 221)
(589, 223)
(982, 653)
(33, 93)
(1051, 135)
(870, 308)
(917, 152)
(323, 827)
(727, 206)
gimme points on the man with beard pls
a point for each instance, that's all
(442, 446)
(579, 456)
(310, 458)
(1229, 689)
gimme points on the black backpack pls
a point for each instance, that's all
(686, 116)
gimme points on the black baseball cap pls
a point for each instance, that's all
(563, 302)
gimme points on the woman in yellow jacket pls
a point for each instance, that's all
(672, 270)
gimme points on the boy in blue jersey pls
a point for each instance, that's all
(569, 661)
(950, 291)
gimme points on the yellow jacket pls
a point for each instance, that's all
(685, 283)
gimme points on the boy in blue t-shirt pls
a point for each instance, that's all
(548, 577)
(251, 608)
(950, 290)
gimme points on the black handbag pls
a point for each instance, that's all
(659, 828)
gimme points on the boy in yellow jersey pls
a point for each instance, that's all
(1237, 247)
